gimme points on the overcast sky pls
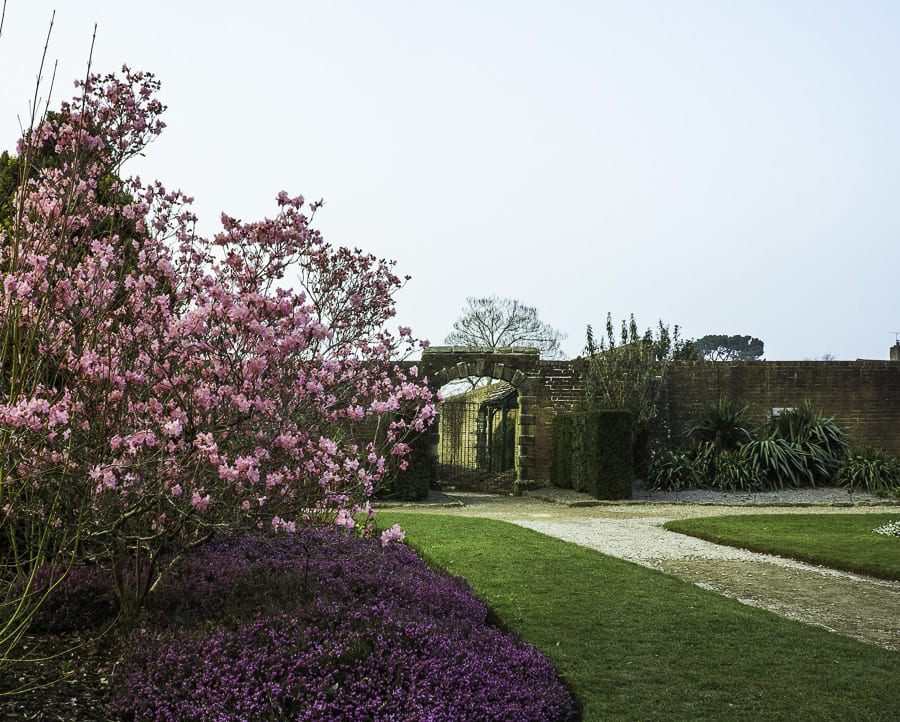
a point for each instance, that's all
(731, 167)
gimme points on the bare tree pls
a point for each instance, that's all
(499, 322)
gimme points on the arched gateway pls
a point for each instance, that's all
(519, 367)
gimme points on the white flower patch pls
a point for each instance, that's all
(892, 528)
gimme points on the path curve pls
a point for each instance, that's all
(857, 606)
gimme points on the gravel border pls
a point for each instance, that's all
(831, 496)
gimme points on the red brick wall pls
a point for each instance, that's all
(862, 396)
(558, 388)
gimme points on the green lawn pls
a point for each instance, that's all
(634, 644)
(840, 541)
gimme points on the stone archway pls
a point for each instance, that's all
(517, 366)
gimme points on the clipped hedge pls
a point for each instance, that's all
(599, 454)
(561, 452)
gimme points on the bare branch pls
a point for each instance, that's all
(498, 322)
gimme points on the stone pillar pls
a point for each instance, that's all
(525, 443)
(895, 352)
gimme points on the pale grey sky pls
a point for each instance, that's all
(732, 167)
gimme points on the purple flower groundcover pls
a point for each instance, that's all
(327, 626)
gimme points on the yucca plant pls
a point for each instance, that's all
(722, 424)
(734, 471)
(872, 470)
(817, 439)
(674, 470)
(778, 462)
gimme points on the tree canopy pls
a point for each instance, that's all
(499, 322)
(721, 347)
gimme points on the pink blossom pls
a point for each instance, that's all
(395, 533)
(200, 503)
(172, 428)
(344, 520)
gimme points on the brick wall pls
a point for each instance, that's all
(558, 388)
(862, 396)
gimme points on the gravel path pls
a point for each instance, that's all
(861, 607)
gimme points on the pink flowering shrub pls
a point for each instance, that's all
(157, 386)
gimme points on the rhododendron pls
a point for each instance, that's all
(344, 519)
(392, 534)
(153, 381)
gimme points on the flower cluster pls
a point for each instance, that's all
(327, 626)
(892, 528)
(156, 385)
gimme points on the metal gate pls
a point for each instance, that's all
(476, 446)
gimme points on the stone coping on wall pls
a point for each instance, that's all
(482, 350)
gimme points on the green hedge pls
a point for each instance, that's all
(561, 452)
(600, 453)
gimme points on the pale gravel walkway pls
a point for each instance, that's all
(857, 606)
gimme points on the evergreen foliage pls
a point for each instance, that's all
(721, 347)
(561, 451)
(597, 453)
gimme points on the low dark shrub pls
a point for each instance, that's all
(561, 451)
(359, 631)
(872, 470)
(673, 470)
(81, 598)
(732, 471)
(723, 425)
